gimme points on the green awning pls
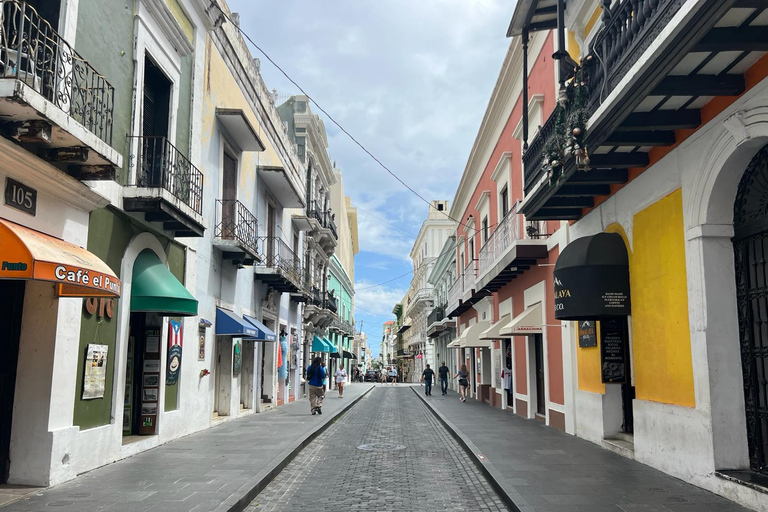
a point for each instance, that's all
(319, 345)
(154, 289)
(330, 344)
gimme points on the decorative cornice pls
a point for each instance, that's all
(170, 26)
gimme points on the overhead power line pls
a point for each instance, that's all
(333, 120)
(385, 282)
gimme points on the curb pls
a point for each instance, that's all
(486, 467)
(265, 476)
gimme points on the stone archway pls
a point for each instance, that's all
(711, 169)
(750, 245)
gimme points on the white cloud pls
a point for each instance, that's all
(378, 300)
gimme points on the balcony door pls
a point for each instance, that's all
(154, 127)
(228, 197)
(271, 233)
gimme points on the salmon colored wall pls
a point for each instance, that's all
(554, 336)
(540, 81)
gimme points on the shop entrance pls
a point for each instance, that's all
(11, 305)
(267, 366)
(750, 246)
(142, 375)
(246, 375)
(541, 401)
(222, 376)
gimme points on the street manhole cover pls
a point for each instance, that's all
(381, 447)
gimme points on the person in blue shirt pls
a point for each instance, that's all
(316, 377)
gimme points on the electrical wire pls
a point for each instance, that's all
(333, 120)
(385, 282)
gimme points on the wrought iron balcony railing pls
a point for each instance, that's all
(236, 222)
(436, 315)
(275, 253)
(326, 218)
(509, 230)
(158, 164)
(629, 28)
(455, 292)
(33, 52)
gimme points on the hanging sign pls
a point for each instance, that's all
(587, 334)
(174, 352)
(614, 346)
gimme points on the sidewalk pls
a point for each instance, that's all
(541, 469)
(219, 469)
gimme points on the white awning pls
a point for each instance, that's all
(494, 333)
(455, 343)
(471, 335)
(527, 322)
(239, 129)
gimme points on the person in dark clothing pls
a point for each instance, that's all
(426, 377)
(316, 379)
(442, 373)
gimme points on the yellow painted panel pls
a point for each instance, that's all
(660, 331)
(181, 17)
(588, 361)
(574, 50)
(593, 20)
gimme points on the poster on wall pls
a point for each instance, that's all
(587, 334)
(613, 350)
(237, 358)
(201, 344)
(174, 352)
(498, 369)
(95, 376)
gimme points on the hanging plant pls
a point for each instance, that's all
(569, 131)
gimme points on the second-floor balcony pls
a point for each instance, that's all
(235, 233)
(513, 247)
(165, 186)
(648, 74)
(52, 101)
(280, 267)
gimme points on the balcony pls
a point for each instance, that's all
(454, 295)
(319, 311)
(513, 247)
(165, 187)
(236, 230)
(647, 75)
(470, 278)
(52, 101)
(280, 268)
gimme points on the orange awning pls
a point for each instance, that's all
(29, 254)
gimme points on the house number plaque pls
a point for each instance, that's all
(20, 196)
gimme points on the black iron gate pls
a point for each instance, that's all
(750, 245)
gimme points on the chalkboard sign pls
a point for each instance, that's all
(587, 334)
(614, 350)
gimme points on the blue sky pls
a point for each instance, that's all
(411, 81)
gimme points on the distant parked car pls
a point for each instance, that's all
(372, 376)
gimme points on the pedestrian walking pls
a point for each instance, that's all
(426, 377)
(316, 377)
(442, 372)
(341, 380)
(393, 375)
(463, 376)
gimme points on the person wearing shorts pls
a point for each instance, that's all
(463, 376)
(393, 375)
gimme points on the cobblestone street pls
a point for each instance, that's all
(413, 465)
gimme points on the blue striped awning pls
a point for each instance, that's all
(263, 333)
(229, 324)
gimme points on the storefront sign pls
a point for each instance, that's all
(591, 279)
(174, 352)
(201, 344)
(591, 292)
(20, 196)
(587, 334)
(95, 376)
(101, 307)
(614, 355)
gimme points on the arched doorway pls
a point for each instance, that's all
(750, 245)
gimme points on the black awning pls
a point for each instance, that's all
(592, 278)
(348, 355)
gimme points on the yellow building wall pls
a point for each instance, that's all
(661, 340)
(181, 17)
(588, 364)
(221, 90)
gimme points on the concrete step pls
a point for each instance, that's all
(623, 444)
